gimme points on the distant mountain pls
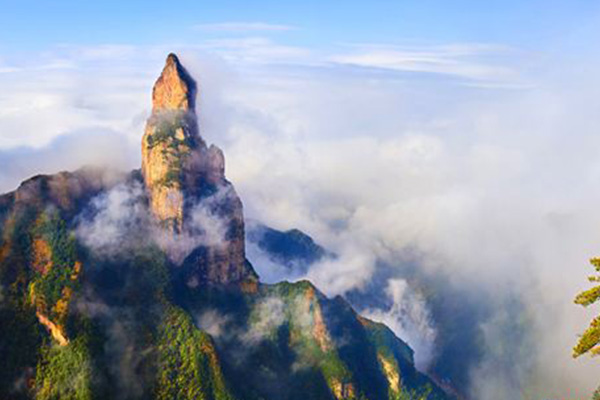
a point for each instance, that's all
(292, 249)
(292, 253)
(135, 286)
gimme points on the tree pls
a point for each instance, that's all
(589, 342)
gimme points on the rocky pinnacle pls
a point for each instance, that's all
(175, 89)
(171, 145)
(182, 176)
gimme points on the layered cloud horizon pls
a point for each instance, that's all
(473, 163)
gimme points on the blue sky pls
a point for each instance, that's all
(535, 24)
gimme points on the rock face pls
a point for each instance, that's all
(171, 145)
(175, 89)
(132, 321)
(184, 177)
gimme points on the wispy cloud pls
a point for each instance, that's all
(244, 27)
(6, 68)
(257, 50)
(476, 62)
(379, 166)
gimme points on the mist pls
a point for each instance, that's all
(492, 188)
(486, 185)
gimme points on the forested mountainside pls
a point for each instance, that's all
(136, 285)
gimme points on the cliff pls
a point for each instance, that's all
(136, 286)
(181, 174)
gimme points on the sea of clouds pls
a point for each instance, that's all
(483, 173)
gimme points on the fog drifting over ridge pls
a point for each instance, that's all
(492, 192)
(493, 184)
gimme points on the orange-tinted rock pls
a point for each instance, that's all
(42, 256)
(391, 371)
(342, 390)
(181, 174)
(319, 329)
(55, 330)
(174, 89)
(170, 144)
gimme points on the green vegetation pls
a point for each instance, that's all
(166, 126)
(65, 372)
(596, 395)
(60, 279)
(339, 353)
(387, 343)
(173, 175)
(187, 364)
(20, 332)
(147, 267)
(39, 253)
(302, 304)
(288, 291)
(413, 386)
(20, 337)
(165, 129)
(15, 251)
(174, 149)
(412, 394)
(590, 340)
(289, 340)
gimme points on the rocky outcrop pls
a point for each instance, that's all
(55, 330)
(64, 191)
(175, 89)
(392, 375)
(312, 307)
(171, 144)
(184, 177)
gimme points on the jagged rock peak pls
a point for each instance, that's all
(175, 89)
(184, 178)
(171, 146)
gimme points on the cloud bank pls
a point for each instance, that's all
(385, 157)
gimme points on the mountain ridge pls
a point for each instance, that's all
(137, 285)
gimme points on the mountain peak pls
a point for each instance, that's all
(185, 178)
(172, 58)
(175, 89)
(171, 142)
(77, 252)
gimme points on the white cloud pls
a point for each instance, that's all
(206, 228)
(69, 88)
(488, 190)
(214, 323)
(119, 219)
(257, 50)
(352, 267)
(267, 316)
(5, 70)
(410, 319)
(91, 147)
(495, 189)
(119, 213)
(465, 61)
